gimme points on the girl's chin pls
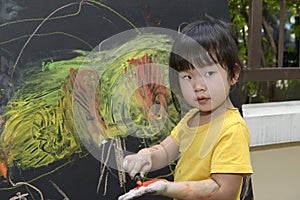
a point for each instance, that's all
(205, 112)
(205, 108)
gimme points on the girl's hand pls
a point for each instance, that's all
(138, 163)
(155, 186)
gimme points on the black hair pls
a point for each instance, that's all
(203, 43)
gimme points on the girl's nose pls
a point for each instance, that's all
(199, 85)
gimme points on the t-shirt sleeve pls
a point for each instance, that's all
(175, 136)
(231, 154)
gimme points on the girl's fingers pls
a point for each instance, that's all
(125, 165)
(132, 167)
(146, 168)
(137, 163)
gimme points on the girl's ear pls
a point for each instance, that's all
(236, 74)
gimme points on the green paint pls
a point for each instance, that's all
(40, 127)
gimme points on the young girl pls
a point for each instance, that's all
(212, 139)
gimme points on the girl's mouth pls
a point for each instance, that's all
(202, 100)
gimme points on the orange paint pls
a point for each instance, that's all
(149, 72)
(146, 183)
(1, 120)
(187, 190)
(84, 88)
(139, 183)
(3, 169)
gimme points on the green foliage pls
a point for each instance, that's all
(239, 17)
(239, 13)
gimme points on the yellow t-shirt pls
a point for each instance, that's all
(221, 146)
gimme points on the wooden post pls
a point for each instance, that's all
(254, 36)
(281, 33)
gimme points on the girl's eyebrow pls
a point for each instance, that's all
(207, 68)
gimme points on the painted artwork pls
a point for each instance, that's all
(82, 84)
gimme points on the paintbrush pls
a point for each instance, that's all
(138, 179)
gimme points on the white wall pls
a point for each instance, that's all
(273, 123)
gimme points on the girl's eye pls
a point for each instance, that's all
(186, 77)
(208, 74)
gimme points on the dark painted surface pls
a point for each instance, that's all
(79, 179)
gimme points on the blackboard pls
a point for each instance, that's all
(40, 31)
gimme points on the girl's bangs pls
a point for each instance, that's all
(188, 54)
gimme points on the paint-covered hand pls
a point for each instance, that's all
(138, 163)
(155, 186)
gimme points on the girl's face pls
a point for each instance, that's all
(206, 88)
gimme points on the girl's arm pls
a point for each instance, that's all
(219, 187)
(163, 153)
(152, 158)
